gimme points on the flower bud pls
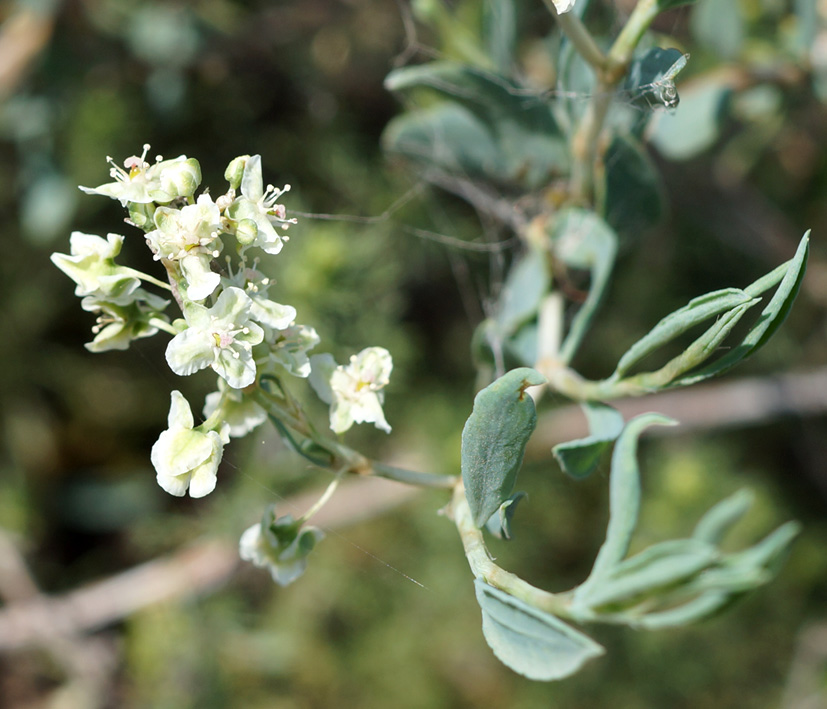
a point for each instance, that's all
(235, 171)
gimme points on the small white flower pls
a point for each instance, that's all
(279, 545)
(289, 348)
(190, 236)
(257, 211)
(139, 182)
(186, 457)
(238, 411)
(221, 337)
(270, 315)
(354, 391)
(118, 325)
(92, 266)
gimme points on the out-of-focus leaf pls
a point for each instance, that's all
(695, 126)
(499, 26)
(659, 566)
(669, 4)
(527, 283)
(579, 458)
(447, 136)
(575, 83)
(692, 314)
(499, 524)
(531, 642)
(624, 500)
(790, 275)
(494, 440)
(717, 521)
(633, 198)
(530, 145)
(697, 609)
(582, 240)
(719, 26)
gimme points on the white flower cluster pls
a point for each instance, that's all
(228, 323)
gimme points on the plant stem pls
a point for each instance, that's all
(483, 567)
(586, 150)
(412, 477)
(579, 36)
(322, 501)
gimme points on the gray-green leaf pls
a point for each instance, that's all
(624, 499)
(494, 440)
(579, 458)
(583, 240)
(790, 276)
(499, 524)
(694, 313)
(531, 642)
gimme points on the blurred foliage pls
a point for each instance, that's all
(301, 82)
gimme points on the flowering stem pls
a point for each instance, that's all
(483, 567)
(322, 501)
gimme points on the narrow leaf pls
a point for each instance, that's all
(494, 440)
(770, 319)
(657, 567)
(583, 240)
(716, 523)
(697, 609)
(579, 458)
(693, 313)
(624, 497)
(699, 351)
(531, 642)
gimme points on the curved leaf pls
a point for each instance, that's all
(624, 499)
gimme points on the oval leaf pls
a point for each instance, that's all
(531, 642)
(494, 440)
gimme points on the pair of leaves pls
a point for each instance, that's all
(727, 306)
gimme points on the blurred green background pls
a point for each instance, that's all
(300, 82)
